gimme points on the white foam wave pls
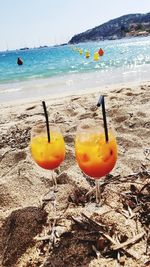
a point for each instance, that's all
(10, 90)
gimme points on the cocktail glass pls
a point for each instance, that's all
(48, 155)
(95, 157)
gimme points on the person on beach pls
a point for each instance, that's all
(19, 61)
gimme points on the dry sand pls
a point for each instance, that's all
(26, 215)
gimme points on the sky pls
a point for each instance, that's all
(31, 23)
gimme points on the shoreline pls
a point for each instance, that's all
(54, 97)
(72, 83)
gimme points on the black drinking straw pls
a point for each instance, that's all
(47, 122)
(101, 101)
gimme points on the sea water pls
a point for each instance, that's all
(61, 69)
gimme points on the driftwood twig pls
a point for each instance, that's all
(128, 251)
(129, 242)
(42, 238)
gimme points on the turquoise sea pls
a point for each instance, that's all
(54, 70)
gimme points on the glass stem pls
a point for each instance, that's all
(98, 193)
(54, 181)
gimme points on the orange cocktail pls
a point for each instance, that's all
(94, 155)
(47, 155)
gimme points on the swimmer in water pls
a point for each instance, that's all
(19, 61)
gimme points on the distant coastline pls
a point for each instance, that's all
(132, 25)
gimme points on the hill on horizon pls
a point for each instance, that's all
(124, 26)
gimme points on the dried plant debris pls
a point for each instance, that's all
(138, 201)
(105, 242)
(79, 197)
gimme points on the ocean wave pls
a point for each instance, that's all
(10, 90)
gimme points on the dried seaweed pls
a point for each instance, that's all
(139, 202)
(106, 242)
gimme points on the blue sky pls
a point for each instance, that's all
(47, 22)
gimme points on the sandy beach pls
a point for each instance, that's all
(40, 227)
